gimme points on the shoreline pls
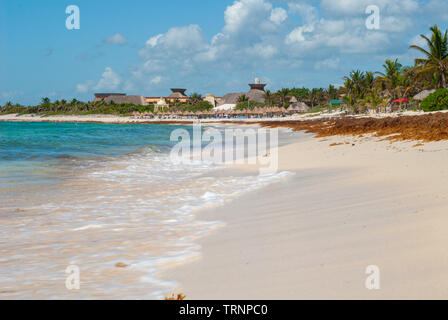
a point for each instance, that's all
(352, 202)
(415, 126)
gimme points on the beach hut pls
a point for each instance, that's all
(334, 103)
(299, 107)
(282, 111)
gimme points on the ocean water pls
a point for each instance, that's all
(98, 195)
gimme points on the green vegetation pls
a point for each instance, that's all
(249, 105)
(10, 108)
(436, 61)
(75, 107)
(195, 107)
(436, 101)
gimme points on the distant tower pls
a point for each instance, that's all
(257, 85)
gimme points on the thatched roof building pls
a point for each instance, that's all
(297, 107)
(256, 93)
(119, 98)
(178, 93)
(231, 98)
(423, 95)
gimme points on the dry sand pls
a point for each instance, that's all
(312, 235)
(104, 118)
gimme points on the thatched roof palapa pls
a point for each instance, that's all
(423, 95)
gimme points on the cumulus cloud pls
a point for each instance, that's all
(109, 80)
(116, 39)
(278, 15)
(177, 40)
(248, 16)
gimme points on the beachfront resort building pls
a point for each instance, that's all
(161, 105)
(177, 95)
(119, 98)
(230, 100)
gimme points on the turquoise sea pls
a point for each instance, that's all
(28, 148)
(98, 195)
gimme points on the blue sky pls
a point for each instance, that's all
(207, 46)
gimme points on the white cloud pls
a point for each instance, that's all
(278, 15)
(419, 41)
(82, 87)
(331, 63)
(297, 35)
(152, 42)
(178, 40)
(264, 51)
(116, 39)
(109, 80)
(156, 80)
(247, 15)
(308, 13)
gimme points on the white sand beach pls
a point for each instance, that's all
(350, 202)
(105, 118)
(312, 235)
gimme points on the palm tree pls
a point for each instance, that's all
(45, 101)
(268, 97)
(283, 94)
(403, 87)
(243, 98)
(356, 83)
(313, 96)
(195, 98)
(436, 61)
(369, 80)
(391, 76)
(332, 92)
